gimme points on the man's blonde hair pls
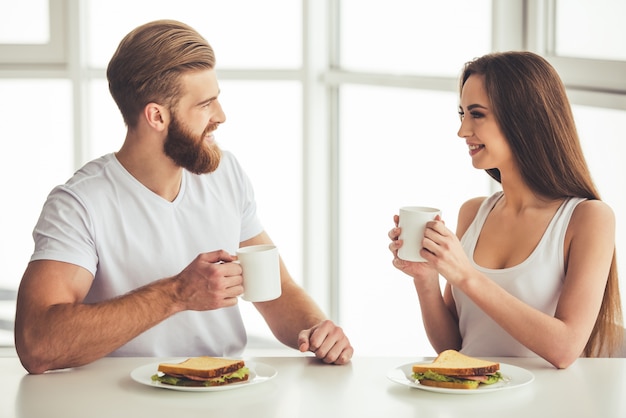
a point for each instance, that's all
(148, 63)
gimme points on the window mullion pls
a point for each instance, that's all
(53, 53)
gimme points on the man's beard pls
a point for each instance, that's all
(189, 152)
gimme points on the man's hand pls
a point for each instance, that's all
(210, 282)
(327, 341)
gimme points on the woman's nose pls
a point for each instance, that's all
(464, 130)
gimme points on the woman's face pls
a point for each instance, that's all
(487, 145)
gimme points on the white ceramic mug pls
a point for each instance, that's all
(413, 223)
(261, 272)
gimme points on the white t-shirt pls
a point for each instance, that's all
(106, 221)
(537, 281)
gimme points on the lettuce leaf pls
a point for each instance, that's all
(176, 381)
(442, 378)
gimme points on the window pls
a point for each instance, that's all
(245, 34)
(37, 141)
(399, 149)
(398, 146)
(593, 30)
(585, 44)
(264, 122)
(602, 136)
(32, 32)
(390, 130)
(24, 22)
(341, 111)
(408, 37)
(264, 118)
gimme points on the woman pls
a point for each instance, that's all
(533, 269)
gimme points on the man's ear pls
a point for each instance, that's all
(156, 116)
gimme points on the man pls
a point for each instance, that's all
(133, 254)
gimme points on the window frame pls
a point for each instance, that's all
(516, 25)
(592, 82)
(53, 52)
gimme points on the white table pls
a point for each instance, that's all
(306, 388)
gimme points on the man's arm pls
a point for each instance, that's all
(54, 329)
(297, 321)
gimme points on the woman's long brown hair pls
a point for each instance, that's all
(531, 107)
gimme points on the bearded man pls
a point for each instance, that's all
(134, 254)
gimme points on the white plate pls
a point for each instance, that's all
(514, 377)
(259, 373)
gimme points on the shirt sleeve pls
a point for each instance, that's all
(64, 231)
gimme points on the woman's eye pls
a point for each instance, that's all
(461, 115)
(477, 115)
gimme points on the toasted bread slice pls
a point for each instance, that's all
(468, 384)
(203, 367)
(453, 363)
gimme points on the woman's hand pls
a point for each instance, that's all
(417, 270)
(444, 252)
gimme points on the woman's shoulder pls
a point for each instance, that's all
(467, 213)
(592, 212)
(592, 223)
(472, 205)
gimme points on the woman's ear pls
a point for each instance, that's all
(157, 116)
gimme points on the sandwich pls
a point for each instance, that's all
(202, 371)
(453, 370)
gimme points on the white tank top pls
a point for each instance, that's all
(537, 281)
